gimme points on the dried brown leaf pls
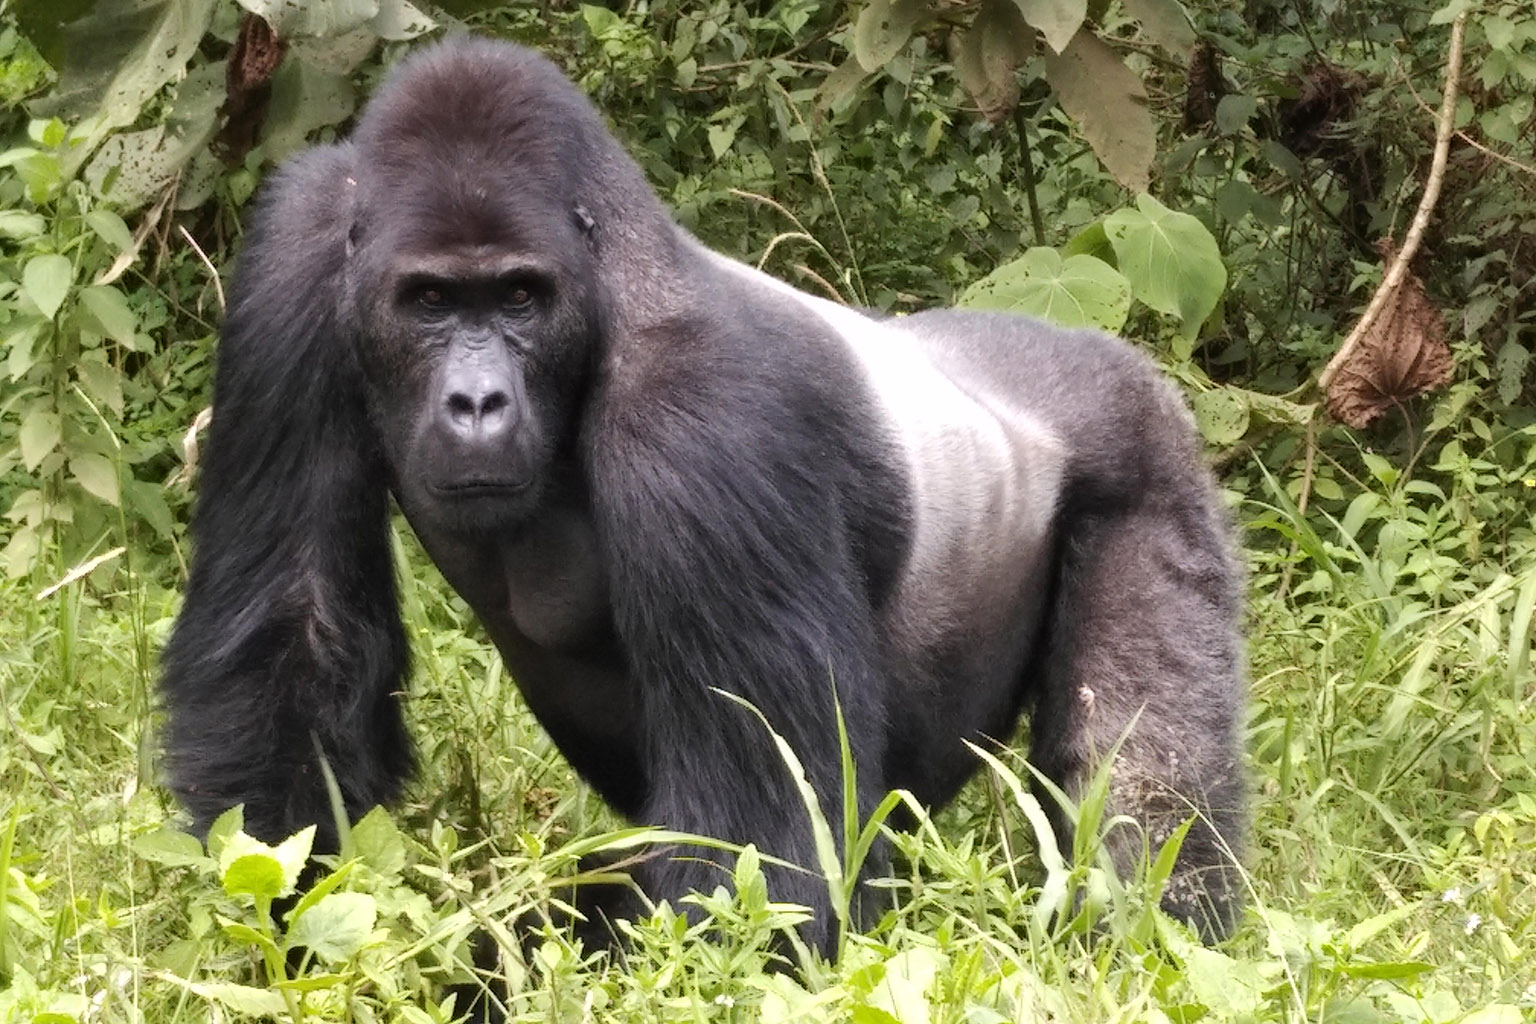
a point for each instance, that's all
(1401, 355)
(255, 57)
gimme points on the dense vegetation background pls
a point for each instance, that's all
(901, 154)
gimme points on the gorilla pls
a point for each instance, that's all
(656, 474)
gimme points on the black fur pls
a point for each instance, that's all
(653, 474)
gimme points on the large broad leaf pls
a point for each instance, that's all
(883, 28)
(304, 98)
(1057, 20)
(1164, 22)
(140, 164)
(1109, 104)
(336, 927)
(1170, 259)
(1078, 291)
(249, 866)
(1222, 415)
(987, 57)
(118, 55)
(290, 18)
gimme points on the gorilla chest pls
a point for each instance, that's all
(543, 588)
(543, 599)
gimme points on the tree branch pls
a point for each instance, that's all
(1399, 269)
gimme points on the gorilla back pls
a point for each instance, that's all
(653, 472)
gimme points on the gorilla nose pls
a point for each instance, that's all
(478, 413)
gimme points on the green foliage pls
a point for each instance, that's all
(74, 341)
(1078, 291)
(894, 153)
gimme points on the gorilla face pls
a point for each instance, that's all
(477, 321)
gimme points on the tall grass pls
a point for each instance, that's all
(1393, 865)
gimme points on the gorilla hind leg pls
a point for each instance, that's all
(1142, 651)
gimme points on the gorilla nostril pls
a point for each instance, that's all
(461, 407)
(494, 403)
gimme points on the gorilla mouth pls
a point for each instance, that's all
(480, 488)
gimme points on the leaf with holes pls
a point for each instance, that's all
(321, 18)
(1078, 291)
(883, 28)
(1171, 260)
(1222, 416)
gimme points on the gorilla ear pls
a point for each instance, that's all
(588, 225)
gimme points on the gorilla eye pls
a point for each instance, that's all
(519, 297)
(432, 298)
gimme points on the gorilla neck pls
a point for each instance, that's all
(542, 584)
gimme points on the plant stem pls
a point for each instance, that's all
(1027, 163)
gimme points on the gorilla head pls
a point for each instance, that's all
(475, 300)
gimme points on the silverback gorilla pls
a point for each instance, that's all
(653, 471)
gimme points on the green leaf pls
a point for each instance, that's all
(21, 226)
(1498, 1013)
(1234, 112)
(243, 999)
(337, 927)
(305, 97)
(1222, 415)
(827, 858)
(252, 874)
(102, 382)
(1171, 260)
(1080, 291)
(224, 829)
(108, 312)
(97, 475)
(883, 28)
(1091, 241)
(170, 847)
(903, 991)
(118, 56)
(1511, 364)
(1108, 102)
(147, 501)
(41, 431)
(21, 357)
(841, 85)
(379, 843)
(1057, 20)
(1228, 987)
(46, 281)
(249, 866)
(722, 135)
(109, 227)
(1275, 409)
